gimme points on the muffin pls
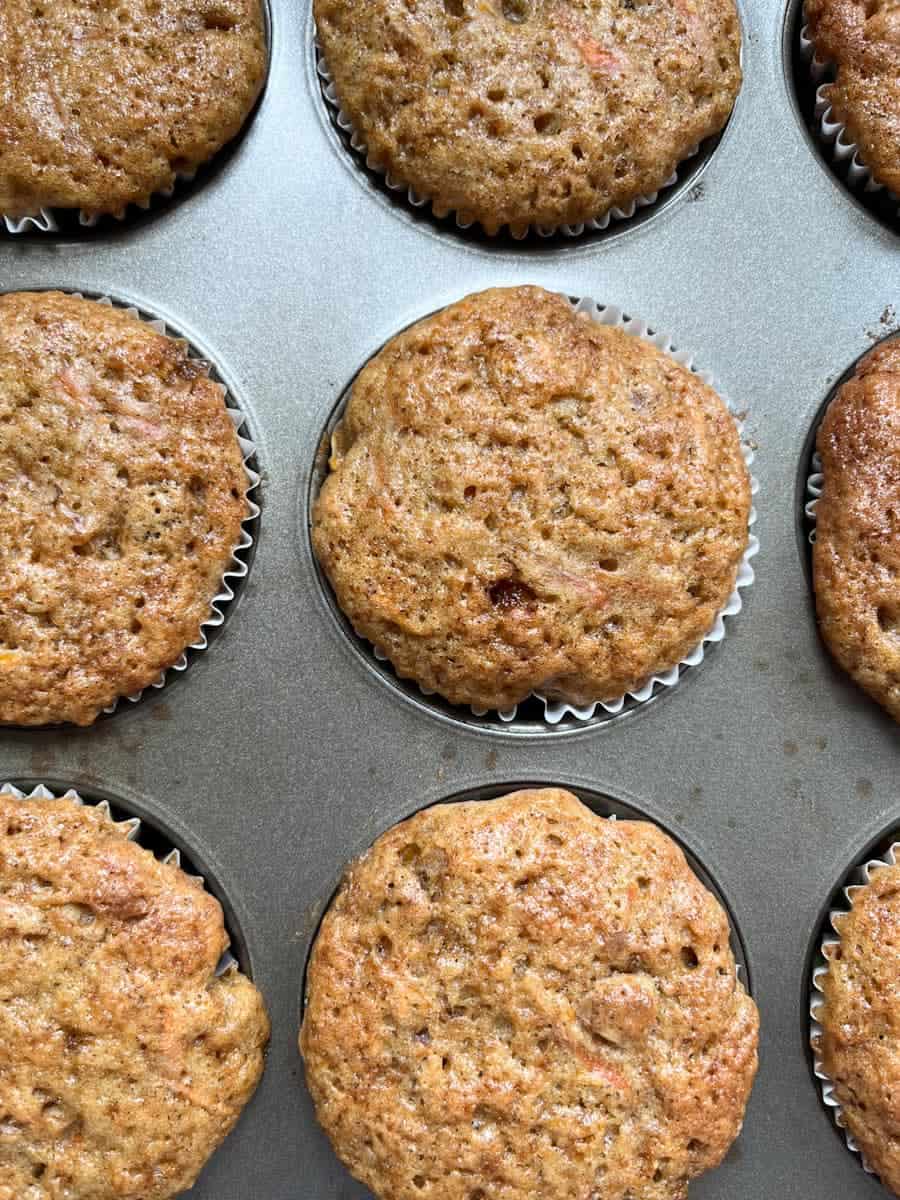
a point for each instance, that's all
(856, 554)
(123, 490)
(105, 104)
(517, 998)
(524, 500)
(513, 112)
(857, 1044)
(125, 1058)
(861, 40)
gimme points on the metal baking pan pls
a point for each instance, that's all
(280, 753)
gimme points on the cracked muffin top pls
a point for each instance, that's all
(104, 104)
(856, 554)
(124, 1058)
(859, 1046)
(861, 38)
(123, 491)
(518, 112)
(523, 500)
(518, 998)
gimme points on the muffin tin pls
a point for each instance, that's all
(280, 755)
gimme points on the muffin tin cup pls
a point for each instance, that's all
(554, 711)
(417, 200)
(815, 479)
(131, 829)
(857, 878)
(47, 220)
(239, 566)
(607, 807)
(832, 133)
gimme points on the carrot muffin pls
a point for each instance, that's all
(861, 39)
(523, 500)
(124, 1059)
(856, 554)
(516, 998)
(858, 1046)
(123, 491)
(532, 111)
(104, 104)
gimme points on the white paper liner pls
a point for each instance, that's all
(814, 484)
(239, 568)
(416, 200)
(556, 710)
(45, 220)
(832, 132)
(131, 830)
(858, 878)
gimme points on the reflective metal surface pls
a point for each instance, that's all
(279, 755)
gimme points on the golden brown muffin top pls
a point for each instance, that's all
(862, 39)
(856, 554)
(532, 111)
(104, 104)
(524, 500)
(517, 998)
(124, 1059)
(859, 1046)
(123, 491)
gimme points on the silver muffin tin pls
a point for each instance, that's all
(280, 754)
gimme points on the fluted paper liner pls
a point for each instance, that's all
(130, 829)
(814, 484)
(45, 220)
(833, 132)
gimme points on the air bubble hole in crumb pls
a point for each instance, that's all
(689, 957)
